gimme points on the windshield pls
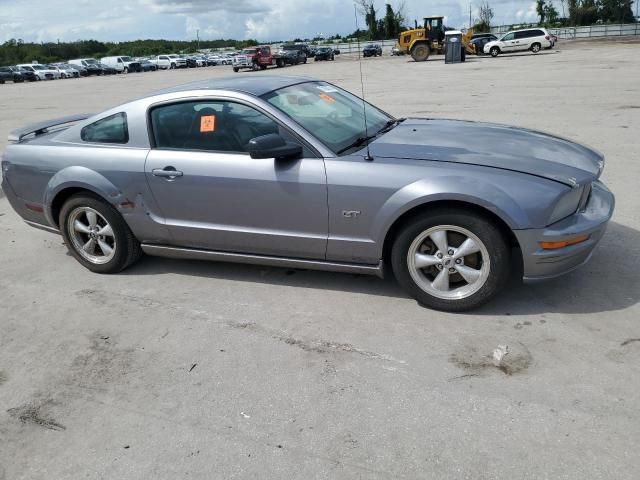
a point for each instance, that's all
(38, 67)
(126, 59)
(91, 61)
(250, 50)
(333, 115)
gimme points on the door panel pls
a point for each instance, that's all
(231, 202)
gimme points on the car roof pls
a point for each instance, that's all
(251, 84)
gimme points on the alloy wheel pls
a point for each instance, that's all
(448, 262)
(91, 235)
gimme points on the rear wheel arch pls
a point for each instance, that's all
(65, 194)
(439, 205)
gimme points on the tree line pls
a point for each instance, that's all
(572, 13)
(16, 51)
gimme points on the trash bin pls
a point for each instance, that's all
(453, 47)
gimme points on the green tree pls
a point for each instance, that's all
(550, 13)
(540, 10)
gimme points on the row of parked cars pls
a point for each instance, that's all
(83, 67)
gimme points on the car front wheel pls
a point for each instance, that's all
(97, 235)
(495, 51)
(450, 260)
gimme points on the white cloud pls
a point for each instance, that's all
(49, 20)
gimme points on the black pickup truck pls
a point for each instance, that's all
(295, 54)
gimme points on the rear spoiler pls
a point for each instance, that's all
(39, 128)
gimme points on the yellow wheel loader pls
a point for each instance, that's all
(422, 42)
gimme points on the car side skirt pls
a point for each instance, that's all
(217, 256)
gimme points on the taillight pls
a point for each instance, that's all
(547, 37)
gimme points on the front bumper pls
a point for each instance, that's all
(540, 264)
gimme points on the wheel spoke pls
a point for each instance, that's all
(106, 249)
(424, 261)
(106, 231)
(441, 282)
(90, 246)
(439, 238)
(92, 219)
(467, 248)
(471, 275)
(78, 226)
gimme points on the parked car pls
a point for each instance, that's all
(68, 70)
(42, 72)
(295, 53)
(534, 39)
(90, 64)
(324, 53)
(82, 71)
(27, 74)
(147, 66)
(372, 50)
(9, 75)
(122, 64)
(106, 69)
(479, 40)
(352, 196)
(62, 73)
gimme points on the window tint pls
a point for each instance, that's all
(209, 125)
(112, 129)
(521, 35)
(507, 37)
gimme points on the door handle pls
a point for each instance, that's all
(166, 172)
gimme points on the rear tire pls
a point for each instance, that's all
(236, 69)
(109, 245)
(451, 280)
(535, 48)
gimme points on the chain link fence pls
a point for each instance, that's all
(591, 31)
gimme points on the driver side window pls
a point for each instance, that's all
(508, 37)
(211, 125)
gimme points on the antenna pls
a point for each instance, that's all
(368, 157)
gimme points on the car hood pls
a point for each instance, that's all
(491, 145)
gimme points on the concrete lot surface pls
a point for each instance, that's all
(179, 369)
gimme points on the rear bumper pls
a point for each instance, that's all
(539, 264)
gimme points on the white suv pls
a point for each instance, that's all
(534, 39)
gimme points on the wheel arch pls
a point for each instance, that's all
(73, 180)
(430, 206)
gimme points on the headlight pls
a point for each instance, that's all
(567, 205)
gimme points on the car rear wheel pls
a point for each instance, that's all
(495, 51)
(535, 48)
(97, 235)
(449, 260)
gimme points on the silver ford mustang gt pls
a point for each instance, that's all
(288, 171)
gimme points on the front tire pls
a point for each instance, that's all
(420, 52)
(450, 260)
(495, 51)
(97, 235)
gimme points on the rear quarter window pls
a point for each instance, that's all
(111, 129)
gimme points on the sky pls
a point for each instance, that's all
(264, 20)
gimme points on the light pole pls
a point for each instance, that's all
(198, 39)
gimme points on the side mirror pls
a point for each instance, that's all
(273, 146)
